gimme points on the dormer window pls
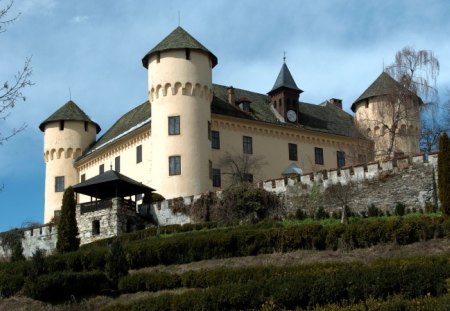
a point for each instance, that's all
(244, 104)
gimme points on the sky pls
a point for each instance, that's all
(91, 51)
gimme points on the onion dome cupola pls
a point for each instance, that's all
(285, 95)
(69, 112)
(178, 39)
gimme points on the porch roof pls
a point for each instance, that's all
(109, 185)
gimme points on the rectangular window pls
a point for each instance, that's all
(59, 184)
(139, 154)
(293, 152)
(174, 165)
(247, 145)
(340, 155)
(210, 169)
(85, 126)
(101, 169)
(174, 125)
(209, 130)
(96, 227)
(217, 182)
(215, 139)
(318, 155)
(83, 177)
(61, 125)
(117, 164)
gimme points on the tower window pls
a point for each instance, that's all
(217, 182)
(340, 157)
(367, 103)
(247, 143)
(86, 126)
(117, 164)
(293, 152)
(318, 155)
(101, 169)
(215, 139)
(139, 154)
(188, 53)
(174, 125)
(174, 165)
(158, 57)
(61, 125)
(59, 184)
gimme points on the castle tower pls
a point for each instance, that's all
(180, 92)
(285, 94)
(386, 106)
(67, 133)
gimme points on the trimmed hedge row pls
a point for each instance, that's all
(384, 276)
(298, 286)
(396, 303)
(61, 286)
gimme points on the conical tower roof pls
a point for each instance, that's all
(383, 85)
(68, 112)
(285, 80)
(178, 39)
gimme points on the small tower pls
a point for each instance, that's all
(67, 133)
(285, 95)
(180, 92)
(384, 102)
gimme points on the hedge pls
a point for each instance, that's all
(61, 286)
(302, 286)
(384, 276)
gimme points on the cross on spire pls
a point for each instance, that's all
(284, 57)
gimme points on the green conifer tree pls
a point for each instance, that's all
(116, 262)
(67, 228)
(17, 252)
(444, 173)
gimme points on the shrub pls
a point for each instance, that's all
(67, 227)
(400, 209)
(60, 286)
(373, 211)
(116, 262)
(300, 214)
(321, 213)
(444, 173)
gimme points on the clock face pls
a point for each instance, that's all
(291, 115)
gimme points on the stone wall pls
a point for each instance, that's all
(116, 217)
(42, 237)
(405, 180)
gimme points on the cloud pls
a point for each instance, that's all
(79, 18)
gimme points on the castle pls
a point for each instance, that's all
(176, 140)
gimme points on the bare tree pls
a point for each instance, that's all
(430, 131)
(342, 193)
(416, 73)
(241, 167)
(11, 91)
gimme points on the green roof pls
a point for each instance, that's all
(178, 39)
(68, 112)
(130, 121)
(324, 118)
(383, 85)
(285, 80)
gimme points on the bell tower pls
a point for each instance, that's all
(285, 95)
(180, 93)
(67, 133)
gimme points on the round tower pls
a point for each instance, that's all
(67, 133)
(388, 114)
(180, 92)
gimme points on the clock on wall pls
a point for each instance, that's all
(291, 115)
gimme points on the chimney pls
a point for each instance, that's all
(231, 98)
(336, 102)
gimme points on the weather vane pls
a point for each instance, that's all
(284, 57)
